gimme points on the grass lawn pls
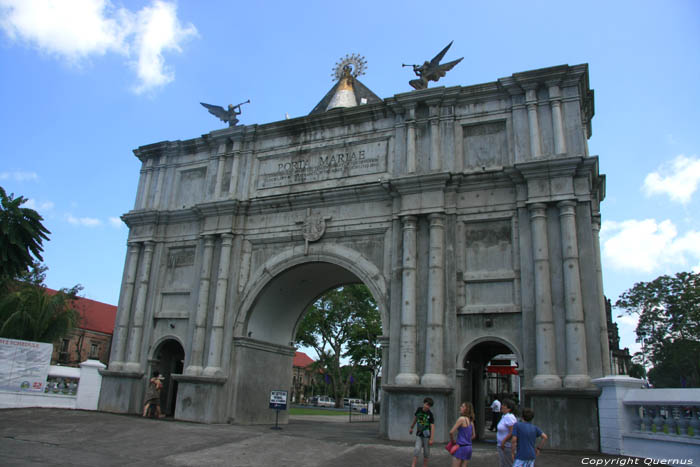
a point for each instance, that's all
(312, 411)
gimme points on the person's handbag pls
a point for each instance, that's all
(452, 447)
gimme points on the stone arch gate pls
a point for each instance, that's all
(468, 212)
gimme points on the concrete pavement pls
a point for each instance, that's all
(41, 437)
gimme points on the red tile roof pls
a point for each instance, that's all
(94, 316)
(302, 360)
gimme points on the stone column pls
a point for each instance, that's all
(121, 333)
(136, 334)
(407, 346)
(546, 377)
(435, 160)
(219, 176)
(217, 326)
(434, 375)
(557, 121)
(159, 183)
(411, 141)
(576, 351)
(604, 343)
(200, 320)
(145, 201)
(531, 101)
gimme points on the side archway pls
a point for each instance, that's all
(475, 383)
(168, 357)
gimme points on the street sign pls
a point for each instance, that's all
(278, 400)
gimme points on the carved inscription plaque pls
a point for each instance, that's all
(322, 164)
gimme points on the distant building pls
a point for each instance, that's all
(91, 339)
(302, 376)
(620, 359)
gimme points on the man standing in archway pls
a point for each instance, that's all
(495, 413)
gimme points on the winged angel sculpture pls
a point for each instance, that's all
(225, 115)
(432, 70)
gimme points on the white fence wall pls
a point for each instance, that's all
(85, 399)
(661, 424)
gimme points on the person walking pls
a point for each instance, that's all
(464, 428)
(155, 384)
(495, 413)
(523, 440)
(424, 421)
(504, 432)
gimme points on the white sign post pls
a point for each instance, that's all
(278, 401)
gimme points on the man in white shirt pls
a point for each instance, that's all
(495, 413)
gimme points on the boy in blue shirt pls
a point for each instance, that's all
(523, 441)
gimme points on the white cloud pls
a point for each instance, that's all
(647, 245)
(158, 30)
(115, 222)
(83, 221)
(19, 176)
(678, 179)
(33, 204)
(78, 29)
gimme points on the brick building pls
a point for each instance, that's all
(302, 375)
(92, 338)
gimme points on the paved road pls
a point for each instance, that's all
(41, 437)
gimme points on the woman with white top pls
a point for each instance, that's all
(504, 433)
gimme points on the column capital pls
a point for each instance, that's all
(436, 217)
(537, 209)
(149, 245)
(409, 221)
(567, 207)
(227, 237)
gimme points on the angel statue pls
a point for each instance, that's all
(226, 115)
(432, 70)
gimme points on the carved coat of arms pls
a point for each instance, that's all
(313, 228)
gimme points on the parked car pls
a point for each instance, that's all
(324, 401)
(347, 402)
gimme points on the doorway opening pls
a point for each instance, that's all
(169, 359)
(492, 373)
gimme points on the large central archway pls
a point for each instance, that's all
(273, 307)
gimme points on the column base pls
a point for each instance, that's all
(192, 370)
(406, 379)
(434, 380)
(132, 367)
(577, 381)
(546, 382)
(212, 371)
(116, 366)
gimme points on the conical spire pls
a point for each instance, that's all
(348, 91)
(344, 94)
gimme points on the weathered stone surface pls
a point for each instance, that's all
(446, 202)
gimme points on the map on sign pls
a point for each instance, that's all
(24, 365)
(278, 400)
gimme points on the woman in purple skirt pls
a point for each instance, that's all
(464, 428)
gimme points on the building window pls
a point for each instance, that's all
(94, 350)
(63, 353)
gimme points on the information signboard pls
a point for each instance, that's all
(278, 400)
(24, 365)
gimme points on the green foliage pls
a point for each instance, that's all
(637, 371)
(344, 323)
(29, 312)
(21, 236)
(669, 327)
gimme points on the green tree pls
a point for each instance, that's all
(29, 312)
(21, 236)
(668, 309)
(343, 324)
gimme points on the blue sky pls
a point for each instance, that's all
(84, 82)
